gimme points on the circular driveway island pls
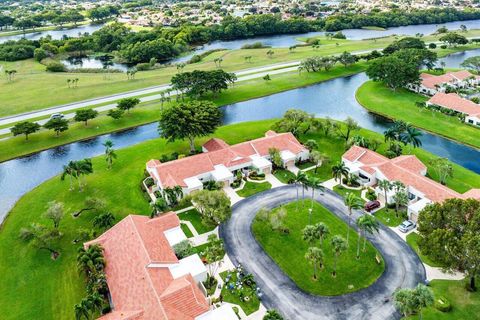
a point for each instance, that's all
(403, 268)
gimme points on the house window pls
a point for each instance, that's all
(470, 121)
(411, 196)
(363, 177)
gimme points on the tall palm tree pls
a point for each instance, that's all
(314, 183)
(305, 184)
(95, 302)
(339, 171)
(352, 202)
(109, 153)
(339, 245)
(178, 192)
(411, 135)
(299, 177)
(83, 167)
(315, 256)
(368, 224)
(69, 170)
(385, 186)
(322, 231)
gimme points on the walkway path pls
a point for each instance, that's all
(403, 267)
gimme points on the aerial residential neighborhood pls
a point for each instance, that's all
(251, 160)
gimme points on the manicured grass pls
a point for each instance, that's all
(288, 251)
(196, 220)
(305, 165)
(33, 83)
(412, 239)
(284, 175)
(251, 188)
(186, 230)
(324, 172)
(400, 105)
(199, 249)
(37, 287)
(233, 296)
(465, 305)
(341, 190)
(389, 218)
(148, 112)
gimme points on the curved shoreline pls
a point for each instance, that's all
(281, 293)
(389, 117)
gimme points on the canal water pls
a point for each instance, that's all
(334, 98)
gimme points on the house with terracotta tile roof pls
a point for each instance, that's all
(431, 84)
(372, 167)
(220, 161)
(452, 101)
(146, 280)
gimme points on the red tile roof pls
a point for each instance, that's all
(455, 102)
(407, 169)
(430, 81)
(139, 290)
(174, 173)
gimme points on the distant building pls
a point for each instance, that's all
(431, 84)
(454, 102)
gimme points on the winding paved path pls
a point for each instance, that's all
(402, 266)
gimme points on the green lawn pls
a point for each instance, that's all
(288, 251)
(196, 220)
(233, 296)
(400, 105)
(186, 230)
(388, 217)
(305, 165)
(284, 175)
(412, 239)
(341, 190)
(37, 287)
(251, 188)
(149, 112)
(465, 305)
(33, 83)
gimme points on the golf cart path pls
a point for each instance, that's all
(403, 268)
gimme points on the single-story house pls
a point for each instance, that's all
(453, 101)
(145, 279)
(431, 84)
(372, 167)
(220, 161)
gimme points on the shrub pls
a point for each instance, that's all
(143, 66)
(475, 100)
(195, 58)
(39, 54)
(442, 304)
(443, 46)
(149, 182)
(183, 249)
(371, 195)
(56, 66)
(432, 46)
(255, 45)
(254, 175)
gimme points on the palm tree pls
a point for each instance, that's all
(322, 231)
(385, 186)
(352, 202)
(178, 192)
(424, 298)
(318, 158)
(315, 256)
(368, 224)
(340, 170)
(158, 206)
(109, 153)
(83, 167)
(305, 184)
(339, 245)
(82, 310)
(95, 302)
(401, 199)
(310, 234)
(314, 183)
(104, 220)
(297, 180)
(69, 170)
(411, 135)
(90, 260)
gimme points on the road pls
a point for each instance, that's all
(403, 268)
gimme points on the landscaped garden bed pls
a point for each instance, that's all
(196, 220)
(240, 288)
(251, 188)
(287, 248)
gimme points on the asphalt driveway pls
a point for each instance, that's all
(403, 268)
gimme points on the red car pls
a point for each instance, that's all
(371, 205)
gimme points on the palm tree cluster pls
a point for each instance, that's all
(172, 195)
(413, 301)
(77, 170)
(402, 132)
(91, 262)
(301, 179)
(72, 83)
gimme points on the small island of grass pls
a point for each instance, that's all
(288, 249)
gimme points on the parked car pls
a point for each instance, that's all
(57, 116)
(372, 205)
(406, 226)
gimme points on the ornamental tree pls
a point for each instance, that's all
(25, 128)
(214, 206)
(189, 120)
